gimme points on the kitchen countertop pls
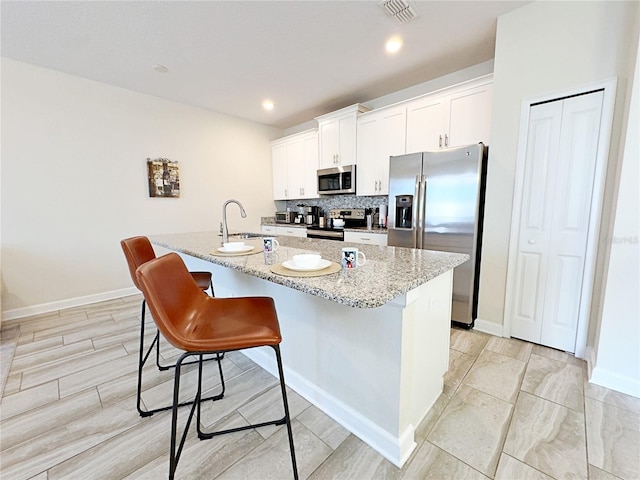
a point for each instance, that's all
(388, 272)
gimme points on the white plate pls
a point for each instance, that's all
(289, 264)
(246, 248)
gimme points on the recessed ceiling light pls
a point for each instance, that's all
(393, 45)
(268, 105)
(160, 68)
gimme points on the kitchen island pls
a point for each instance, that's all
(368, 346)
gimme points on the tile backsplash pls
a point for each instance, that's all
(334, 201)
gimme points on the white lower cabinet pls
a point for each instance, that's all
(366, 237)
(286, 231)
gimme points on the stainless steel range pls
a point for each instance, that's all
(353, 217)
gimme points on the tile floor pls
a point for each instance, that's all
(509, 410)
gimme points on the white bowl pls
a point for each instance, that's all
(338, 222)
(234, 246)
(307, 260)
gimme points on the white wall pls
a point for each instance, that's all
(617, 349)
(541, 48)
(74, 180)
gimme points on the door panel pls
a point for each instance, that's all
(570, 223)
(542, 153)
(556, 205)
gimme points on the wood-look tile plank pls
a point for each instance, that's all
(108, 327)
(129, 334)
(275, 453)
(31, 424)
(45, 356)
(26, 400)
(241, 389)
(268, 406)
(354, 459)
(205, 459)
(323, 426)
(67, 328)
(55, 446)
(157, 395)
(51, 371)
(241, 360)
(39, 346)
(97, 374)
(12, 385)
(52, 322)
(121, 454)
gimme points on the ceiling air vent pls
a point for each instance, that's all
(402, 10)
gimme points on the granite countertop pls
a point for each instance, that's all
(387, 273)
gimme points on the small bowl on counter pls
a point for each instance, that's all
(307, 260)
(234, 246)
(338, 222)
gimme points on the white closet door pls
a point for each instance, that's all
(557, 192)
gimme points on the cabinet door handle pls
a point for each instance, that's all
(446, 140)
(440, 141)
(285, 193)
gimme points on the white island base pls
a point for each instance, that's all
(376, 371)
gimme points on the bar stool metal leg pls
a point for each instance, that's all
(176, 450)
(142, 359)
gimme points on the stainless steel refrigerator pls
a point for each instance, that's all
(436, 202)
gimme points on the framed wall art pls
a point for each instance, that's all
(163, 177)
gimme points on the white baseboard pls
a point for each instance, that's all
(68, 303)
(615, 381)
(488, 327)
(395, 449)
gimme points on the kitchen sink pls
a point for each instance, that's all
(245, 235)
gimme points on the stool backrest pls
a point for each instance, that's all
(172, 295)
(137, 250)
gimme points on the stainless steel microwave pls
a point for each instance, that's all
(337, 180)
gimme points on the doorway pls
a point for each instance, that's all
(556, 218)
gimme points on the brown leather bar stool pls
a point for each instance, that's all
(138, 250)
(201, 325)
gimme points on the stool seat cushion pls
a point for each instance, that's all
(192, 321)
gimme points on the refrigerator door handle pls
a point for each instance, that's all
(415, 221)
(422, 206)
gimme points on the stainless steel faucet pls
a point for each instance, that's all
(225, 231)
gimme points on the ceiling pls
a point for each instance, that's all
(308, 57)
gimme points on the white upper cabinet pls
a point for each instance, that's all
(337, 132)
(279, 170)
(443, 120)
(295, 165)
(380, 134)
